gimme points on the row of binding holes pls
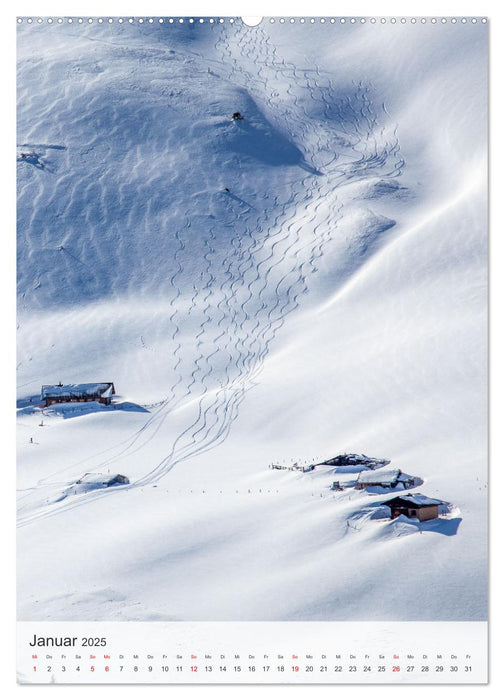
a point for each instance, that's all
(130, 20)
(231, 20)
(373, 20)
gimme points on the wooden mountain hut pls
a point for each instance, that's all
(386, 477)
(67, 393)
(414, 505)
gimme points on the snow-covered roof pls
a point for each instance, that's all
(90, 478)
(385, 475)
(104, 389)
(108, 392)
(417, 499)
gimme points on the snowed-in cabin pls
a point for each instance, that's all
(386, 477)
(65, 393)
(414, 505)
(103, 480)
(350, 460)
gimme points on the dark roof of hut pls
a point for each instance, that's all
(415, 499)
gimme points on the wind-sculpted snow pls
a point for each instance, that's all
(133, 202)
(281, 286)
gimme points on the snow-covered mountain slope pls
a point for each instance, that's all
(308, 281)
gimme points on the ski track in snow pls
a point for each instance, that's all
(244, 295)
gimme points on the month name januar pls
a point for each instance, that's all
(52, 641)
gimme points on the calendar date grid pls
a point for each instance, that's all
(251, 664)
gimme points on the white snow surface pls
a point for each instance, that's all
(334, 300)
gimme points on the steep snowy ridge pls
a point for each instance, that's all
(303, 282)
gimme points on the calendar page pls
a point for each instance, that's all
(252, 349)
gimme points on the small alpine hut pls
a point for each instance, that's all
(414, 505)
(67, 393)
(386, 477)
(353, 460)
(102, 480)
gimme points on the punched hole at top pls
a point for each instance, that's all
(252, 21)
